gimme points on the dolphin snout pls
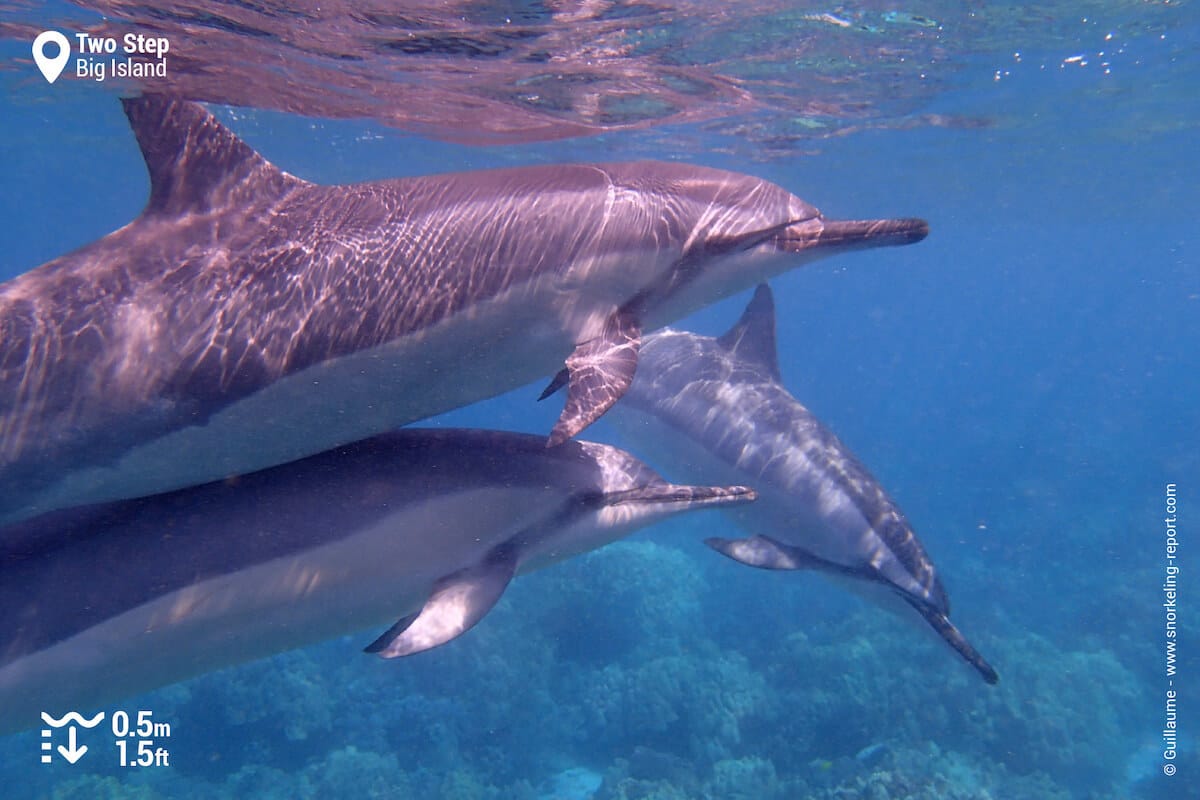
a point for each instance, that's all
(852, 234)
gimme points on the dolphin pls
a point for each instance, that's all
(428, 525)
(717, 407)
(248, 318)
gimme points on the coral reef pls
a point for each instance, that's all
(610, 662)
(601, 607)
(93, 787)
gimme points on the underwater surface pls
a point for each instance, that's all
(1024, 384)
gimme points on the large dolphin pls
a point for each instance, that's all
(247, 318)
(716, 407)
(429, 526)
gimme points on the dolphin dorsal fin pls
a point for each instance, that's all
(752, 338)
(196, 164)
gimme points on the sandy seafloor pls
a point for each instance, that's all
(1024, 383)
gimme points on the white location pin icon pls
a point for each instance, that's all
(51, 67)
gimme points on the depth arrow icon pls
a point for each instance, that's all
(72, 753)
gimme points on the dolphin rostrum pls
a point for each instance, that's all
(430, 526)
(716, 407)
(248, 318)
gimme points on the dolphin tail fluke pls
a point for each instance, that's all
(947, 630)
(196, 164)
(598, 373)
(456, 604)
(766, 553)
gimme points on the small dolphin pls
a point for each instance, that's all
(710, 407)
(248, 318)
(110, 600)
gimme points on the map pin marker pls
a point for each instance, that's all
(51, 67)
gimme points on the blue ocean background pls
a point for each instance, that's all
(1024, 383)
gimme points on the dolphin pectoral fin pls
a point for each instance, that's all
(953, 637)
(559, 380)
(598, 373)
(457, 602)
(763, 553)
(380, 644)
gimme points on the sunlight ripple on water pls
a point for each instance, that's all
(770, 73)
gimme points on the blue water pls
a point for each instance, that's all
(1024, 383)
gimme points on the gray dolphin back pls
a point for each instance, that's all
(426, 525)
(251, 318)
(717, 407)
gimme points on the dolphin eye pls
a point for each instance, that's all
(590, 499)
(745, 241)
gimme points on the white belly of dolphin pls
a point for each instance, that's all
(367, 579)
(492, 348)
(423, 528)
(190, 331)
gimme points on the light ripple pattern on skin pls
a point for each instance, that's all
(428, 526)
(717, 409)
(248, 318)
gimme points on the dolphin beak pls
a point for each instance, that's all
(855, 234)
(688, 496)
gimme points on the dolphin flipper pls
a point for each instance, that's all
(559, 380)
(402, 624)
(763, 553)
(457, 602)
(598, 373)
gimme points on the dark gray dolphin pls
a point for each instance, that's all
(248, 318)
(429, 526)
(716, 407)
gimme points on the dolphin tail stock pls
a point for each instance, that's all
(953, 637)
(598, 372)
(196, 164)
(763, 552)
(456, 604)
